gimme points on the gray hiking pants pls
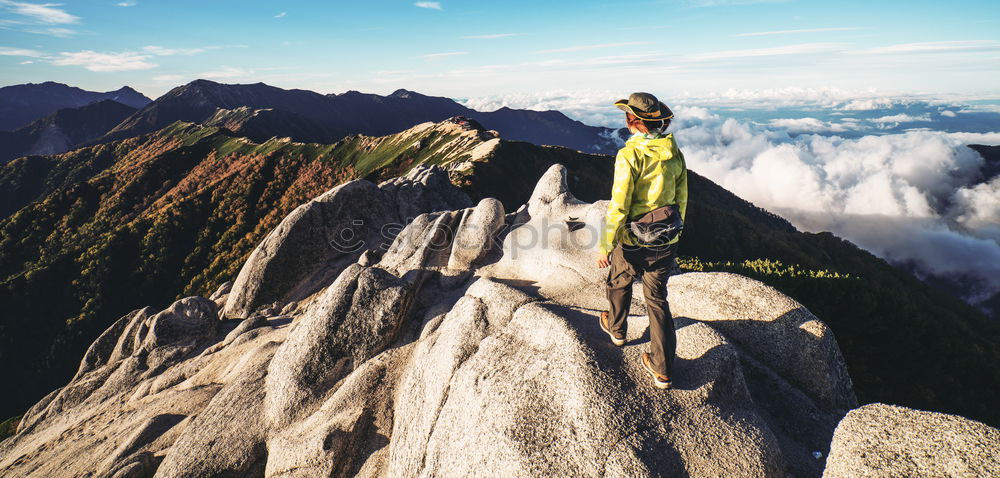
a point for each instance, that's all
(653, 265)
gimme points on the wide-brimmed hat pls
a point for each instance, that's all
(645, 107)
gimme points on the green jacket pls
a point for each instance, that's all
(649, 173)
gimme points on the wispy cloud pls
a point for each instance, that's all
(480, 70)
(799, 49)
(281, 15)
(54, 31)
(633, 59)
(431, 5)
(104, 62)
(491, 36)
(810, 125)
(161, 51)
(901, 118)
(126, 4)
(803, 30)
(41, 12)
(434, 56)
(936, 46)
(26, 62)
(595, 47)
(9, 51)
(168, 78)
(226, 72)
(164, 51)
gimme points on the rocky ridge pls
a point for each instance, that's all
(465, 344)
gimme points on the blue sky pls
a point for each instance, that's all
(472, 49)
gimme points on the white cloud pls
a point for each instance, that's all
(910, 198)
(948, 114)
(41, 12)
(491, 36)
(281, 15)
(590, 106)
(103, 62)
(595, 47)
(128, 3)
(782, 97)
(618, 61)
(161, 51)
(54, 31)
(26, 62)
(9, 51)
(168, 78)
(804, 30)
(799, 49)
(811, 125)
(165, 51)
(980, 109)
(980, 207)
(431, 5)
(435, 56)
(868, 104)
(226, 72)
(900, 118)
(936, 47)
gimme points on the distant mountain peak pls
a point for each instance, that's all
(202, 81)
(403, 93)
(195, 85)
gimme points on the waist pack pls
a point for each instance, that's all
(658, 227)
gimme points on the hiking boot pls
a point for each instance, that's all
(619, 341)
(659, 381)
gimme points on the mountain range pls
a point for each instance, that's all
(259, 111)
(354, 112)
(90, 234)
(23, 104)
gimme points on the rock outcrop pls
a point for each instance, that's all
(314, 243)
(469, 346)
(885, 440)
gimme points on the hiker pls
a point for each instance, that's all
(642, 229)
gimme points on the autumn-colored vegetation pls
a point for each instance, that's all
(100, 231)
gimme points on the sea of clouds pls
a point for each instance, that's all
(891, 174)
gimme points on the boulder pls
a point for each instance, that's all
(356, 317)
(776, 330)
(187, 321)
(314, 243)
(221, 294)
(476, 234)
(886, 440)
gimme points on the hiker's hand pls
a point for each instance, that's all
(602, 261)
